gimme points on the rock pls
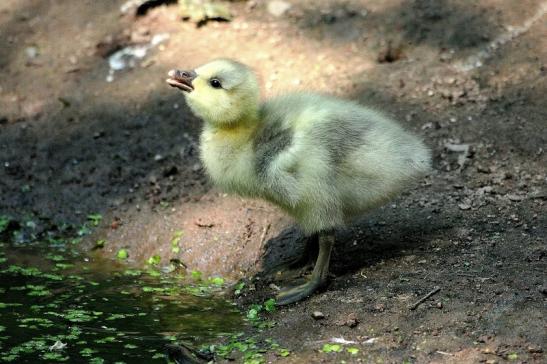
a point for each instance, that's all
(141, 7)
(352, 320)
(275, 287)
(534, 349)
(515, 198)
(277, 7)
(317, 315)
(200, 12)
(464, 206)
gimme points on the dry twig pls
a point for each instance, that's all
(421, 300)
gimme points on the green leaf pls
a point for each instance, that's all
(122, 254)
(353, 351)
(284, 352)
(132, 272)
(52, 355)
(331, 348)
(176, 237)
(99, 244)
(83, 230)
(87, 352)
(95, 219)
(4, 222)
(269, 305)
(238, 288)
(217, 281)
(154, 260)
(153, 273)
(512, 356)
(252, 314)
(196, 275)
(55, 257)
(64, 265)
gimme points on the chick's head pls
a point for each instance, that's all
(222, 92)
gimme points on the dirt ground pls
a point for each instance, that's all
(468, 77)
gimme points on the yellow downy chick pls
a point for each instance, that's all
(321, 159)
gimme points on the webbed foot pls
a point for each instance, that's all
(318, 277)
(298, 293)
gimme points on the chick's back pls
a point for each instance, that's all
(339, 158)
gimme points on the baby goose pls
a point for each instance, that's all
(321, 159)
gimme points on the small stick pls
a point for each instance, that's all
(444, 353)
(264, 232)
(421, 300)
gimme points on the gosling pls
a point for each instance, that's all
(321, 159)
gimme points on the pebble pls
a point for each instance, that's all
(317, 315)
(275, 287)
(32, 52)
(352, 320)
(278, 7)
(515, 198)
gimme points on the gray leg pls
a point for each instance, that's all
(318, 277)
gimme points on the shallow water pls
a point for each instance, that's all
(102, 311)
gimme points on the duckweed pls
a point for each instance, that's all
(102, 313)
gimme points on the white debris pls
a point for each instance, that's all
(370, 341)
(341, 340)
(459, 148)
(129, 56)
(57, 346)
(159, 38)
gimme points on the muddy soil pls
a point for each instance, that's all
(468, 77)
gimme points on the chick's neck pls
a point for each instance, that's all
(242, 129)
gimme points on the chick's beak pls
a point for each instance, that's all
(181, 79)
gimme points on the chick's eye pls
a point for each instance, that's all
(215, 83)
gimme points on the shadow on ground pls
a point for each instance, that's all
(99, 160)
(440, 24)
